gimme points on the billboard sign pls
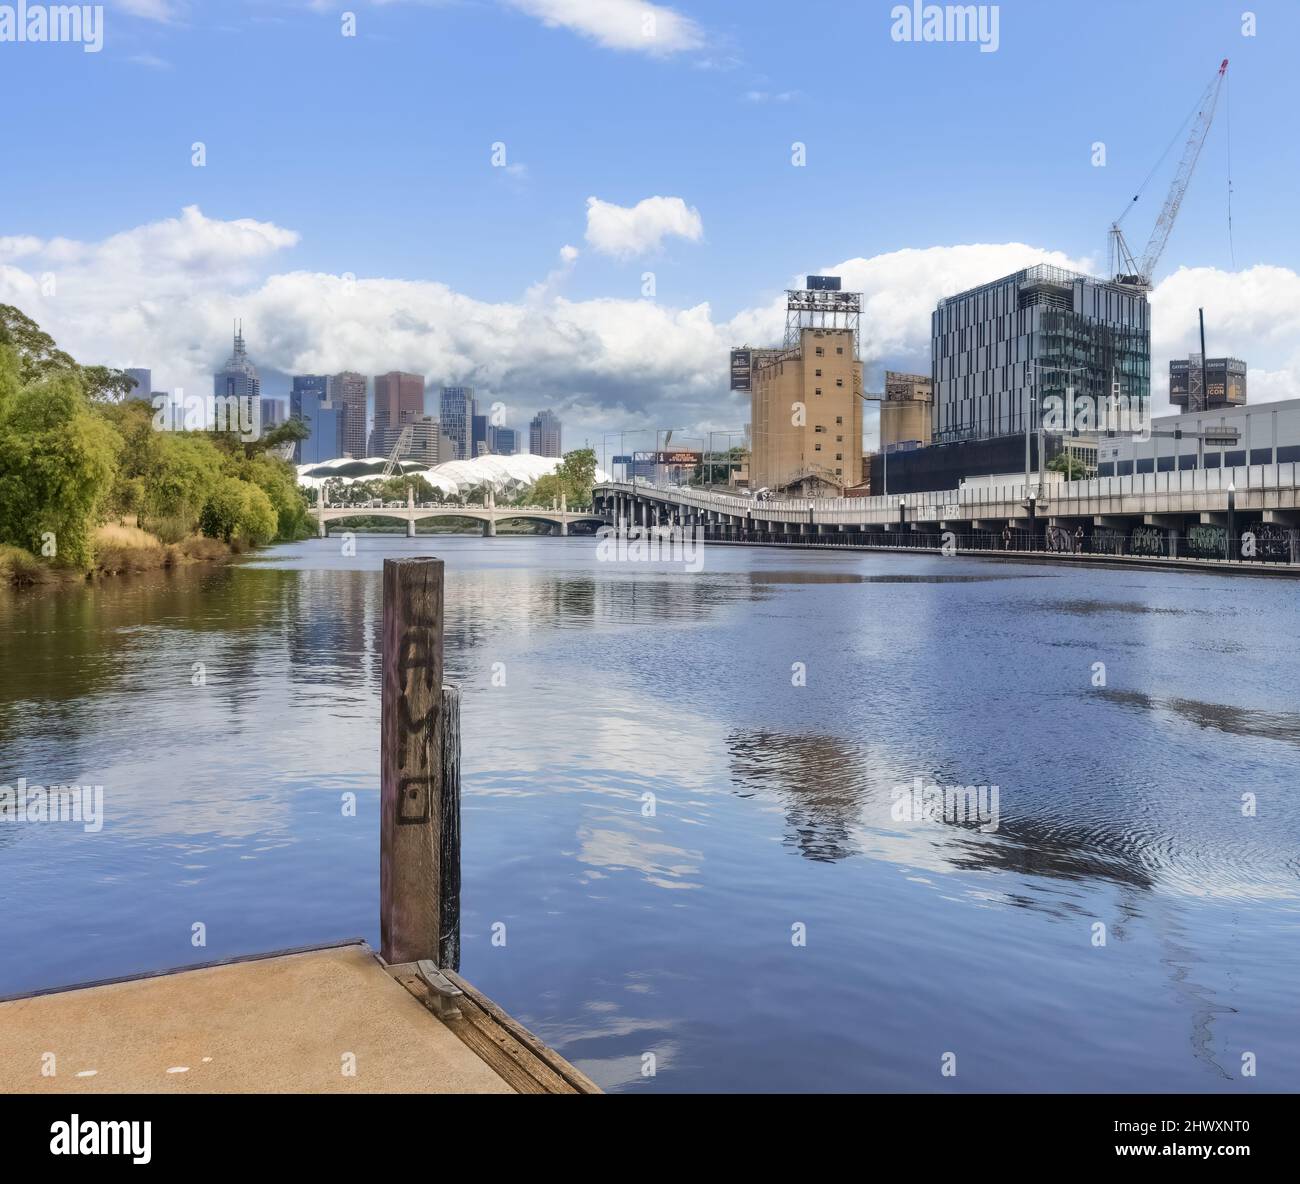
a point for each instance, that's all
(823, 283)
(742, 364)
(679, 459)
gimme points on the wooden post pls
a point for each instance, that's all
(412, 737)
(449, 939)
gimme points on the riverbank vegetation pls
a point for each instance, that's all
(89, 484)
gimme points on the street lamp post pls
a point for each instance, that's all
(1231, 540)
(1032, 519)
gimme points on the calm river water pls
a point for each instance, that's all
(1120, 819)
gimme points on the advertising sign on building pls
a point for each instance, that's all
(741, 368)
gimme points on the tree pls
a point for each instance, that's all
(577, 473)
(238, 509)
(57, 460)
(1073, 468)
(277, 480)
(39, 357)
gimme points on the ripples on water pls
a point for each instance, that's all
(670, 932)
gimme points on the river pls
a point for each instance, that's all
(681, 806)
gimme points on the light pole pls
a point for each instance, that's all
(1232, 518)
(1032, 519)
(711, 462)
(667, 435)
(604, 455)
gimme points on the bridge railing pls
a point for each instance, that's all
(454, 507)
(1193, 488)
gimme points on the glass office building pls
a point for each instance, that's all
(456, 413)
(1013, 344)
(310, 403)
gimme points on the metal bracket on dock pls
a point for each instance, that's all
(445, 992)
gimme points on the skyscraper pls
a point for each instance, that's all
(306, 386)
(456, 413)
(544, 434)
(347, 391)
(238, 377)
(478, 444)
(502, 441)
(399, 399)
(309, 403)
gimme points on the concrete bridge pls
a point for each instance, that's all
(556, 515)
(1170, 507)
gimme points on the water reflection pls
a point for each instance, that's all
(666, 929)
(1238, 721)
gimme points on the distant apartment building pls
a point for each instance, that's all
(399, 399)
(906, 410)
(1220, 383)
(545, 435)
(143, 383)
(502, 441)
(347, 391)
(456, 413)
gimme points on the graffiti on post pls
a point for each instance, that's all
(1147, 540)
(1206, 541)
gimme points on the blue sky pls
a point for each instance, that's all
(373, 155)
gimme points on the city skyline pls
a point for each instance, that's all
(606, 273)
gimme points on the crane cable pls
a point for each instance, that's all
(1178, 135)
(1232, 249)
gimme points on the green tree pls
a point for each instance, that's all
(278, 481)
(39, 357)
(577, 473)
(58, 460)
(1073, 468)
(238, 509)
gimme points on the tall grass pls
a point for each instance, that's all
(21, 568)
(122, 548)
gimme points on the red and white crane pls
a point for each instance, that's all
(1137, 272)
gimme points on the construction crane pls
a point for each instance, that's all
(1136, 273)
(403, 445)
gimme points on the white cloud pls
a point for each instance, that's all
(154, 10)
(632, 25)
(16, 246)
(163, 295)
(151, 60)
(624, 231)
